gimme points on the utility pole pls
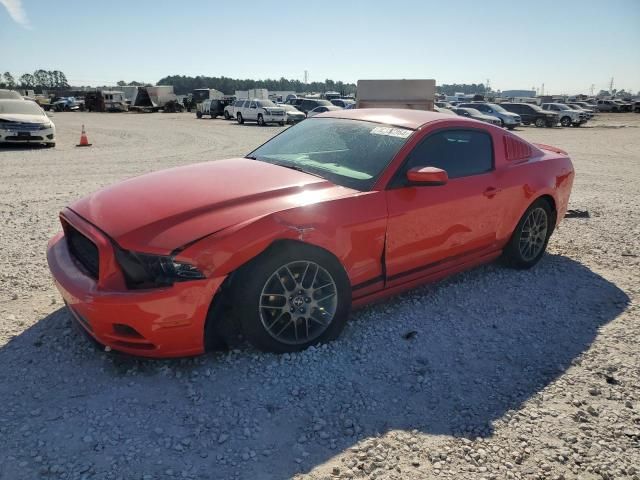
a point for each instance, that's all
(611, 86)
(542, 90)
(592, 89)
(488, 86)
(306, 76)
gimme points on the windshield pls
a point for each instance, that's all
(266, 103)
(497, 108)
(23, 107)
(471, 111)
(351, 153)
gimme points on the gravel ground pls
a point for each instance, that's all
(491, 374)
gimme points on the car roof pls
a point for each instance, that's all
(11, 100)
(399, 117)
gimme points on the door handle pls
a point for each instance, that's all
(491, 192)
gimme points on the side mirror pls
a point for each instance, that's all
(428, 176)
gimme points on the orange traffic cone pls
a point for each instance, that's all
(84, 141)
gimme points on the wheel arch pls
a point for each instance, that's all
(221, 328)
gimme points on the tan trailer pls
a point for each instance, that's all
(410, 94)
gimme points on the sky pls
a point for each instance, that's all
(569, 45)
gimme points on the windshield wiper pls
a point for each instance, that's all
(250, 157)
(296, 168)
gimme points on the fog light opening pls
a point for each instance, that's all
(126, 331)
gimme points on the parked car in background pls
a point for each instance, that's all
(608, 106)
(636, 107)
(624, 106)
(260, 111)
(214, 108)
(443, 105)
(340, 210)
(574, 106)
(231, 110)
(25, 122)
(508, 119)
(445, 111)
(323, 109)
(9, 95)
(567, 115)
(590, 107)
(292, 114)
(343, 102)
(475, 114)
(308, 104)
(532, 114)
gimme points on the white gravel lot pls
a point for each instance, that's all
(491, 374)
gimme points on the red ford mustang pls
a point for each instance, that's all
(342, 209)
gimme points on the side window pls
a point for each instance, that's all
(253, 105)
(482, 108)
(460, 153)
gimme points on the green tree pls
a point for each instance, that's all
(27, 81)
(9, 81)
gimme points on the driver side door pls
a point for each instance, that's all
(431, 228)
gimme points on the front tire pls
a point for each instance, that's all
(529, 240)
(565, 121)
(240, 119)
(540, 122)
(199, 114)
(261, 120)
(226, 115)
(291, 298)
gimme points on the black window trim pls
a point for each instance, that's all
(399, 174)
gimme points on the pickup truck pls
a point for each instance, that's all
(567, 116)
(260, 111)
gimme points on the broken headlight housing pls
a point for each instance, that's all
(143, 270)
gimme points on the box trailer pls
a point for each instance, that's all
(411, 94)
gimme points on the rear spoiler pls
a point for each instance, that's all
(550, 148)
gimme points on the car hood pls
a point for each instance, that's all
(483, 117)
(21, 117)
(162, 211)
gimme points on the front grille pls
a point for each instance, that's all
(277, 114)
(83, 250)
(30, 138)
(23, 126)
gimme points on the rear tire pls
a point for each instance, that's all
(226, 115)
(282, 124)
(199, 114)
(529, 240)
(240, 119)
(292, 297)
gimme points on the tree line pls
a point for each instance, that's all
(38, 79)
(183, 85)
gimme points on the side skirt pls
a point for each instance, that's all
(438, 272)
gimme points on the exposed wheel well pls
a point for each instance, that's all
(221, 329)
(552, 205)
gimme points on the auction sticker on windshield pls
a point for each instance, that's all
(392, 132)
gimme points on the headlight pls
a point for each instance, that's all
(45, 126)
(143, 270)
